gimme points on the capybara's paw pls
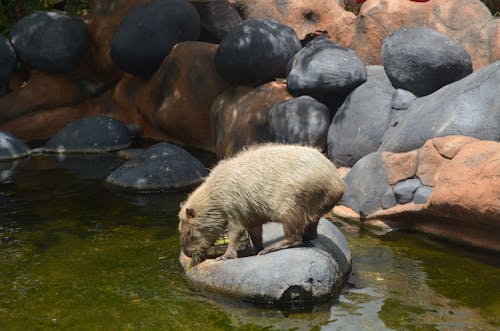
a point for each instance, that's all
(264, 251)
(227, 256)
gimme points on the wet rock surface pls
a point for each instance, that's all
(11, 147)
(161, 167)
(94, 134)
(296, 275)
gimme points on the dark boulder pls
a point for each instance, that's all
(146, 36)
(366, 185)
(7, 63)
(302, 120)
(323, 68)
(12, 148)
(297, 275)
(49, 41)
(256, 51)
(404, 190)
(96, 134)
(422, 60)
(469, 107)
(162, 167)
(217, 19)
(360, 123)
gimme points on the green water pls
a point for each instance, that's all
(75, 256)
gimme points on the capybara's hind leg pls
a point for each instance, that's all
(255, 234)
(311, 229)
(293, 238)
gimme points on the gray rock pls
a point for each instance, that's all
(49, 41)
(162, 167)
(422, 60)
(7, 61)
(404, 190)
(256, 51)
(360, 123)
(402, 99)
(148, 33)
(469, 107)
(295, 275)
(388, 199)
(12, 148)
(323, 68)
(366, 184)
(302, 120)
(422, 194)
(96, 134)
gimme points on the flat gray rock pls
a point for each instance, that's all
(12, 148)
(96, 134)
(162, 167)
(296, 275)
(360, 123)
(469, 107)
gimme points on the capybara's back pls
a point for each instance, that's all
(275, 183)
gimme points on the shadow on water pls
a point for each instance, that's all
(74, 255)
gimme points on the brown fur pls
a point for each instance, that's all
(294, 185)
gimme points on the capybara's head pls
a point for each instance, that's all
(194, 242)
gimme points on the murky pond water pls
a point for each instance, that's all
(75, 256)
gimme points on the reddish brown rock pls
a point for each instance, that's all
(429, 164)
(449, 146)
(180, 93)
(41, 91)
(305, 17)
(400, 166)
(469, 22)
(464, 205)
(239, 122)
(103, 18)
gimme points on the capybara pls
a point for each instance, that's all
(291, 184)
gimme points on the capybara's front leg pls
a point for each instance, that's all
(232, 247)
(255, 234)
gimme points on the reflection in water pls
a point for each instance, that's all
(74, 255)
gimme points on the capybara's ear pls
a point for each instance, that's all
(181, 204)
(190, 212)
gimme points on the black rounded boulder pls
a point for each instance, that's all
(7, 62)
(323, 67)
(12, 148)
(302, 120)
(96, 134)
(162, 167)
(422, 60)
(256, 51)
(146, 36)
(49, 41)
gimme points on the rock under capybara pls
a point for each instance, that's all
(294, 185)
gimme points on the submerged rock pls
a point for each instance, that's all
(12, 148)
(162, 167)
(96, 134)
(49, 41)
(296, 275)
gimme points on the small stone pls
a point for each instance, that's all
(402, 99)
(388, 200)
(403, 191)
(422, 194)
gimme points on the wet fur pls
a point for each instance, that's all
(294, 185)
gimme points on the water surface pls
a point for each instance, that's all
(75, 256)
